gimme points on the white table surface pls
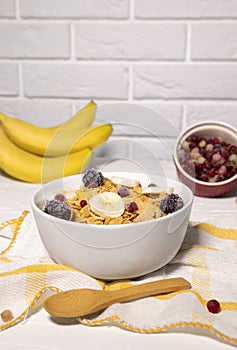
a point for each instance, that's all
(41, 333)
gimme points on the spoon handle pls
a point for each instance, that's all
(147, 289)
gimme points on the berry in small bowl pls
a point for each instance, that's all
(205, 157)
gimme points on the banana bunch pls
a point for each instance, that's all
(33, 154)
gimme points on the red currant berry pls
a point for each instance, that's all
(60, 197)
(83, 203)
(192, 145)
(195, 138)
(213, 306)
(132, 207)
(204, 178)
(92, 185)
(202, 151)
(225, 154)
(227, 175)
(123, 192)
(207, 165)
(208, 156)
(211, 173)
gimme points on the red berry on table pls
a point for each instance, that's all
(213, 306)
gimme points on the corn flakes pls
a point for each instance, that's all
(148, 205)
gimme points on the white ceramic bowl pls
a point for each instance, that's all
(112, 251)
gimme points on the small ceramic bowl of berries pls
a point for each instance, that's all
(205, 157)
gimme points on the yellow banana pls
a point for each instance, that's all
(35, 139)
(92, 137)
(29, 167)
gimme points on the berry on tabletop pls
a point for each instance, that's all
(213, 306)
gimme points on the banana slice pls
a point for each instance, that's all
(107, 204)
(125, 182)
(155, 190)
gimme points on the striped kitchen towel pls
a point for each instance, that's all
(207, 259)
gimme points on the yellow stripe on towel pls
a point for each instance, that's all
(225, 233)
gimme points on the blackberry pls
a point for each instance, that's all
(172, 202)
(93, 176)
(58, 209)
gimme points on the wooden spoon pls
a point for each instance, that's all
(79, 302)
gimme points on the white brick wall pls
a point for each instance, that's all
(34, 40)
(185, 81)
(177, 57)
(214, 41)
(185, 9)
(7, 9)
(75, 80)
(9, 79)
(130, 41)
(68, 9)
